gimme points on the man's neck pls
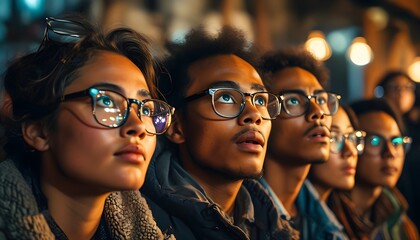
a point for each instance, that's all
(223, 193)
(285, 181)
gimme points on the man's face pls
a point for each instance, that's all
(215, 146)
(302, 139)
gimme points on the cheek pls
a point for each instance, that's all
(82, 144)
(149, 144)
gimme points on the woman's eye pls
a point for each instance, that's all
(106, 102)
(333, 139)
(146, 111)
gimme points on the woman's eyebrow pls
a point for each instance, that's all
(144, 93)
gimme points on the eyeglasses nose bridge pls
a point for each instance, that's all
(139, 106)
(315, 106)
(389, 147)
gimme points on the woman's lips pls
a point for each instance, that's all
(131, 154)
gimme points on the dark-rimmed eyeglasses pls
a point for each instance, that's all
(111, 109)
(230, 102)
(63, 31)
(376, 143)
(356, 138)
(296, 102)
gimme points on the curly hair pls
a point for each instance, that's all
(198, 45)
(278, 60)
(36, 82)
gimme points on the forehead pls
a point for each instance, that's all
(379, 122)
(341, 120)
(109, 67)
(399, 80)
(205, 72)
(294, 78)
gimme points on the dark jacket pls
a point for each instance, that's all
(180, 206)
(126, 214)
(388, 217)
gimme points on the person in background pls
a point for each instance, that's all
(374, 208)
(201, 182)
(301, 134)
(337, 173)
(84, 118)
(400, 89)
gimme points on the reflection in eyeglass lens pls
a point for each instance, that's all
(376, 144)
(338, 139)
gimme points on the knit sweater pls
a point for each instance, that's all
(126, 213)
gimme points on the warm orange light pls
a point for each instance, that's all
(318, 46)
(414, 70)
(359, 52)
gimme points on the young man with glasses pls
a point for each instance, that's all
(201, 182)
(374, 208)
(301, 134)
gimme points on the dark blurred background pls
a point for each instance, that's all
(359, 40)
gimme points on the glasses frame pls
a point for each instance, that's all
(360, 136)
(406, 141)
(49, 26)
(130, 101)
(307, 101)
(212, 91)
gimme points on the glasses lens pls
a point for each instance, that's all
(375, 141)
(110, 108)
(336, 142)
(295, 104)
(228, 102)
(267, 104)
(156, 115)
(397, 141)
(64, 31)
(328, 102)
(332, 103)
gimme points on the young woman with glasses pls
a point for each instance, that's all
(374, 208)
(336, 173)
(84, 123)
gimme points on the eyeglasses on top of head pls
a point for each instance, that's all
(63, 31)
(230, 102)
(296, 102)
(356, 138)
(376, 143)
(111, 109)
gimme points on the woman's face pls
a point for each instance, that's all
(382, 161)
(83, 156)
(339, 171)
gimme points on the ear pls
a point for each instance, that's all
(35, 136)
(175, 133)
